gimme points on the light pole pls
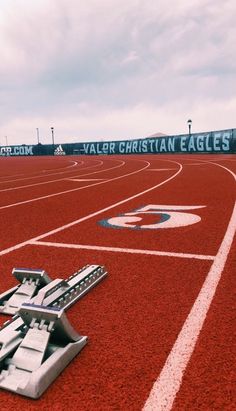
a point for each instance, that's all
(52, 129)
(6, 140)
(189, 126)
(37, 134)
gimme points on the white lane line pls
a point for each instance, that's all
(85, 179)
(43, 175)
(122, 163)
(167, 385)
(9, 176)
(43, 171)
(123, 250)
(225, 168)
(64, 178)
(74, 163)
(161, 169)
(50, 174)
(225, 159)
(74, 189)
(193, 164)
(87, 217)
(219, 165)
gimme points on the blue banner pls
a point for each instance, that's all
(213, 142)
(223, 141)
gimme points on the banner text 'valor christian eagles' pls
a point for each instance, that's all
(221, 141)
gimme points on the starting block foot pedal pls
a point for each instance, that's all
(48, 346)
(31, 281)
(39, 342)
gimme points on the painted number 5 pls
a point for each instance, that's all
(165, 216)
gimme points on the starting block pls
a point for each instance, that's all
(31, 281)
(39, 342)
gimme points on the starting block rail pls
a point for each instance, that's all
(31, 281)
(38, 342)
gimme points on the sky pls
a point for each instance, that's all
(115, 69)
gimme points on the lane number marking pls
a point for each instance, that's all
(164, 216)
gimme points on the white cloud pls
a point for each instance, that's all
(115, 68)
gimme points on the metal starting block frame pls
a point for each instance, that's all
(31, 281)
(39, 342)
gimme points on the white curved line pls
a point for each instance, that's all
(122, 163)
(24, 243)
(225, 168)
(61, 179)
(69, 191)
(166, 387)
(14, 175)
(38, 176)
(22, 174)
(43, 176)
(123, 250)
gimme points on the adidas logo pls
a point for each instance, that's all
(59, 151)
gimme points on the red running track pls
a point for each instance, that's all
(161, 326)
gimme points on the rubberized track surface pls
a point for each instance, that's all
(161, 326)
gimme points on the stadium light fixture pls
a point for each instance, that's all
(53, 143)
(37, 135)
(189, 126)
